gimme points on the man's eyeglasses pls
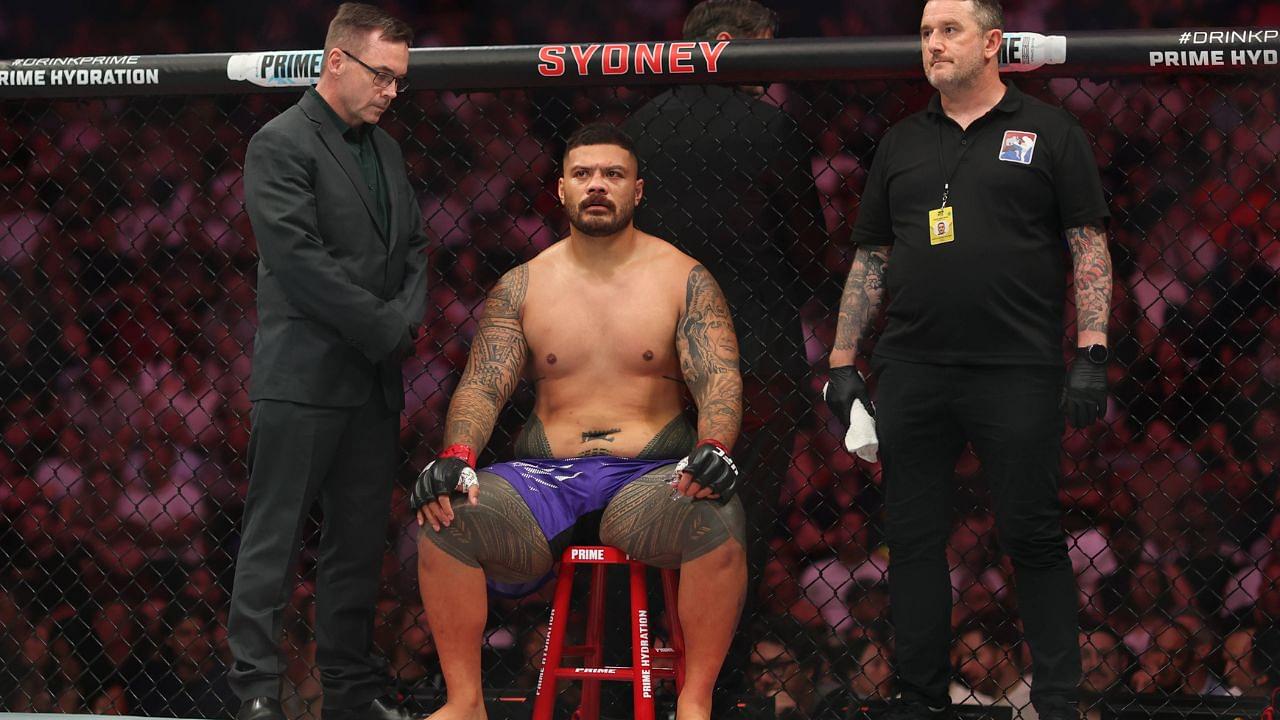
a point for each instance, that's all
(381, 78)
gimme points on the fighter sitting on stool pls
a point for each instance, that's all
(608, 321)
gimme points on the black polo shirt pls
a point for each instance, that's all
(1018, 177)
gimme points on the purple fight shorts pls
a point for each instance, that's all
(560, 492)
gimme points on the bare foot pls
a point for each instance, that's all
(459, 711)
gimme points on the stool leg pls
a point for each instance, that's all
(545, 696)
(641, 657)
(590, 708)
(671, 594)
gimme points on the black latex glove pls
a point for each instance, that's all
(844, 385)
(1084, 399)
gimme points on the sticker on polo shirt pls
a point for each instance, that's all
(1018, 146)
(942, 227)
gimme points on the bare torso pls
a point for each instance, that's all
(602, 350)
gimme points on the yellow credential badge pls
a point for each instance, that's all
(942, 228)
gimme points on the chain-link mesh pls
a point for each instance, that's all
(126, 262)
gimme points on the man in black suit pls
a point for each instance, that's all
(730, 183)
(341, 289)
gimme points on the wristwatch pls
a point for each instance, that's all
(1096, 354)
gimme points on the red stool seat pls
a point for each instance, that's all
(642, 673)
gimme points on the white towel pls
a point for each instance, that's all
(860, 439)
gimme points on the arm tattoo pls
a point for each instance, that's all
(708, 350)
(497, 357)
(1092, 262)
(863, 291)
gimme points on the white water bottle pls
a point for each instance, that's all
(1023, 51)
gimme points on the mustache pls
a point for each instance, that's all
(596, 202)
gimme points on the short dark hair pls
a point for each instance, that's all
(989, 13)
(354, 21)
(600, 133)
(739, 18)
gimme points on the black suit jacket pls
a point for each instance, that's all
(728, 180)
(337, 291)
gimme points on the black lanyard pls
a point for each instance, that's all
(942, 165)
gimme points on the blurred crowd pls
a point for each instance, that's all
(126, 278)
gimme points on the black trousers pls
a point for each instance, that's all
(1010, 414)
(345, 458)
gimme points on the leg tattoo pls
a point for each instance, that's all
(499, 534)
(643, 520)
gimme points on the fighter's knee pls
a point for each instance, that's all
(728, 554)
(448, 541)
(716, 527)
(469, 535)
(498, 535)
(643, 521)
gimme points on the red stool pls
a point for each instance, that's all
(642, 672)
